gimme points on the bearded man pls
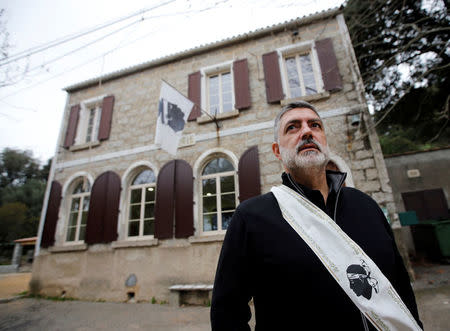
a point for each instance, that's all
(289, 249)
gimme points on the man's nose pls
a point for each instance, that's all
(305, 131)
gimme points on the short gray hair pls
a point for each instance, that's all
(285, 109)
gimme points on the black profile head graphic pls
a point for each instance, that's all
(360, 281)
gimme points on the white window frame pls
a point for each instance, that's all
(143, 188)
(307, 47)
(218, 200)
(212, 71)
(83, 121)
(71, 196)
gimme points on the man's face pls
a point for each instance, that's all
(301, 140)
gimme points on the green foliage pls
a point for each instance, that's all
(22, 188)
(403, 53)
(13, 217)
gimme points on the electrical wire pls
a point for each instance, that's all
(60, 41)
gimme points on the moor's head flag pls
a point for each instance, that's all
(173, 111)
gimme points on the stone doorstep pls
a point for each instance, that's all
(176, 292)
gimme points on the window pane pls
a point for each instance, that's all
(135, 196)
(150, 194)
(146, 176)
(293, 78)
(149, 210)
(209, 204)
(149, 227)
(75, 204)
(226, 218)
(308, 74)
(228, 201)
(71, 233)
(84, 216)
(82, 232)
(218, 165)
(133, 229)
(209, 186)
(135, 212)
(78, 188)
(73, 219)
(227, 184)
(86, 204)
(210, 222)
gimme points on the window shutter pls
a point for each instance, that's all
(328, 65)
(105, 121)
(51, 216)
(249, 177)
(184, 200)
(194, 94)
(272, 76)
(241, 84)
(101, 224)
(165, 201)
(72, 126)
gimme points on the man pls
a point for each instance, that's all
(287, 270)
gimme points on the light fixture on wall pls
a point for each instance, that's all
(355, 119)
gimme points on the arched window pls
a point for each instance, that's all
(218, 192)
(141, 207)
(78, 213)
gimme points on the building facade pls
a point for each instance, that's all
(118, 207)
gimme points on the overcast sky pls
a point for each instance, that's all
(31, 110)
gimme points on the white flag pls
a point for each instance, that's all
(173, 111)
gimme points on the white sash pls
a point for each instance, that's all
(346, 262)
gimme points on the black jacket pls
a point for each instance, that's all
(263, 258)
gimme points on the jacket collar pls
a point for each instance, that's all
(335, 180)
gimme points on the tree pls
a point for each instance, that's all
(22, 188)
(403, 52)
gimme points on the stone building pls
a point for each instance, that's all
(118, 208)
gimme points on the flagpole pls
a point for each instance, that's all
(213, 118)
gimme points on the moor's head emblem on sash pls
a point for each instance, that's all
(360, 280)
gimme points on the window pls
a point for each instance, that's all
(219, 93)
(218, 186)
(89, 123)
(300, 75)
(141, 208)
(78, 213)
(300, 72)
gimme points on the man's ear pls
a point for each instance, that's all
(276, 150)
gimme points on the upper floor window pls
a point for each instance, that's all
(218, 192)
(300, 71)
(219, 93)
(78, 213)
(89, 123)
(141, 208)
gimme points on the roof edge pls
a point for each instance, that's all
(296, 22)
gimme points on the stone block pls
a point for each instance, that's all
(363, 154)
(371, 173)
(369, 186)
(364, 164)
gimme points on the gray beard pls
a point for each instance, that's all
(307, 160)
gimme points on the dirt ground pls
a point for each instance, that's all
(13, 284)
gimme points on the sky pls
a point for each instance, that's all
(32, 105)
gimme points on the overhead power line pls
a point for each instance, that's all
(68, 38)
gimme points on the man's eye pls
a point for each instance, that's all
(316, 125)
(290, 127)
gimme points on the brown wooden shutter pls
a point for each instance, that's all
(105, 121)
(165, 197)
(194, 94)
(103, 211)
(249, 177)
(328, 65)
(241, 84)
(72, 126)
(184, 200)
(51, 216)
(272, 77)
